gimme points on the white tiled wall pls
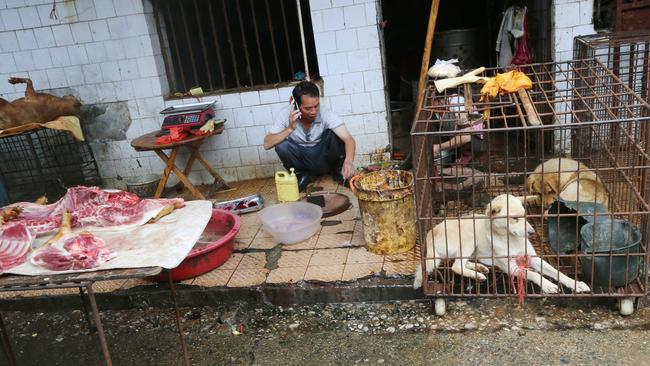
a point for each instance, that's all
(349, 58)
(107, 51)
(571, 18)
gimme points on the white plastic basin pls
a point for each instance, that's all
(291, 222)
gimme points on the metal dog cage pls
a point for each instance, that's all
(587, 113)
(627, 54)
(45, 162)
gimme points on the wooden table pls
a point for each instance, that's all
(193, 142)
(84, 281)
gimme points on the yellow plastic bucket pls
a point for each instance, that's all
(387, 210)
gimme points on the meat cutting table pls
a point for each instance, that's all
(84, 281)
(147, 142)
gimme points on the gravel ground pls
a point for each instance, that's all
(477, 332)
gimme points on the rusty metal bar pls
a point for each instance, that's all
(249, 70)
(188, 39)
(286, 34)
(98, 324)
(204, 51)
(257, 40)
(232, 48)
(176, 48)
(272, 34)
(217, 46)
(302, 41)
(85, 304)
(168, 65)
(179, 322)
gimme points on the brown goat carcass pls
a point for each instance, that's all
(35, 107)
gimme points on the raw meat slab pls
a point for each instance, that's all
(165, 243)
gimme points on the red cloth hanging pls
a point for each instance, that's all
(522, 54)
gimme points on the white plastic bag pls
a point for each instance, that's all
(444, 69)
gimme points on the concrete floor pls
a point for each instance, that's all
(474, 332)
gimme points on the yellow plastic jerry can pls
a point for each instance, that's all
(286, 185)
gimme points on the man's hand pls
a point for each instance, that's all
(436, 150)
(347, 170)
(293, 119)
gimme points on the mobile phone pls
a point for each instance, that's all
(295, 106)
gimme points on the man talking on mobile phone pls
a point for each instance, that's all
(312, 140)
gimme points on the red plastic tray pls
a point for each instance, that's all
(211, 256)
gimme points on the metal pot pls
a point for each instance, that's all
(143, 186)
(467, 45)
(603, 238)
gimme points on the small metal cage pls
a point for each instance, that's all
(44, 162)
(579, 110)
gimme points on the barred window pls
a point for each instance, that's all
(234, 44)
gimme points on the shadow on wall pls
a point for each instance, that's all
(106, 121)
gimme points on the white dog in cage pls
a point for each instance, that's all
(496, 238)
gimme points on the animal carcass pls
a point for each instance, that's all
(35, 107)
(93, 208)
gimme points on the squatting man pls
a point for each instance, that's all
(312, 140)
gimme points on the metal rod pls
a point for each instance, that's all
(164, 48)
(272, 34)
(257, 40)
(217, 46)
(177, 53)
(84, 303)
(286, 35)
(179, 323)
(188, 39)
(302, 40)
(203, 44)
(245, 44)
(232, 47)
(98, 324)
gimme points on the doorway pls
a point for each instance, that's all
(466, 30)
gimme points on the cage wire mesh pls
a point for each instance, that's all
(45, 162)
(588, 114)
(626, 54)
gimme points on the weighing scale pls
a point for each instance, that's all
(187, 115)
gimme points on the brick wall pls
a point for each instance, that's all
(107, 50)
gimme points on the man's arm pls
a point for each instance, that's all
(273, 139)
(348, 168)
(453, 143)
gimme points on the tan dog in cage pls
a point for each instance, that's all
(569, 180)
(495, 238)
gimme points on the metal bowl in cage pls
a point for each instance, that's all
(613, 252)
(445, 158)
(564, 231)
(143, 186)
